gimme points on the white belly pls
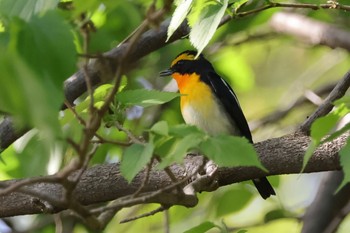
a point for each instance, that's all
(208, 117)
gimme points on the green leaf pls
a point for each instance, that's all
(309, 152)
(31, 84)
(344, 154)
(144, 97)
(337, 133)
(100, 94)
(230, 151)
(276, 214)
(323, 125)
(179, 15)
(161, 128)
(344, 100)
(134, 159)
(238, 4)
(27, 98)
(179, 148)
(28, 160)
(202, 228)
(232, 201)
(182, 130)
(33, 42)
(206, 25)
(24, 9)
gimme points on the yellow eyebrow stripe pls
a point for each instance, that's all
(184, 56)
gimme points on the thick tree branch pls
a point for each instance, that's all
(104, 183)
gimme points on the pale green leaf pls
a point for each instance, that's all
(144, 97)
(197, 8)
(24, 9)
(206, 25)
(161, 128)
(309, 152)
(100, 94)
(180, 13)
(345, 163)
(134, 159)
(202, 228)
(230, 151)
(323, 125)
(337, 133)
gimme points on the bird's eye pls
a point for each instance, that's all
(180, 63)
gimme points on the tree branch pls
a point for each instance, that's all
(104, 182)
(310, 31)
(338, 92)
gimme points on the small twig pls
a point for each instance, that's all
(153, 212)
(338, 92)
(285, 5)
(166, 221)
(146, 178)
(127, 201)
(284, 111)
(58, 223)
(88, 86)
(102, 140)
(130, 135)
(72, 109)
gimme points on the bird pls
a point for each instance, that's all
(208, 102)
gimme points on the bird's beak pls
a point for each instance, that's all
(165, 73)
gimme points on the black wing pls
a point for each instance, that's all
(229, 100)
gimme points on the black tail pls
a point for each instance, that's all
(264, 187)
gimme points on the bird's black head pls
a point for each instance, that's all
(188, 62)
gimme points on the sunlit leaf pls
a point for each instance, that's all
(230, 151)
(206, 25)
(134, 159)
(345, 163)
(202, 228)
(100, 94)
(144, 97)
(322, 127)
(24, 9)
(179, 15)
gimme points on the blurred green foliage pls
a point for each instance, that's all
(39, 47)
